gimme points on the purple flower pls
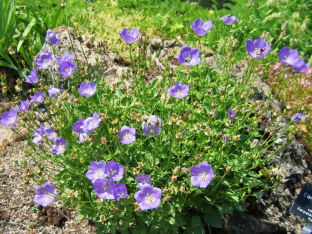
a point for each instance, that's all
(66, 58)
(231, 113)
(229, 20)
(52, 135)
(152, 126)
(38, 134)
(143, 180)
(53, 92)
(104, 189)
(287, 56)
(51, 38)
(91, 123)
(44, 61)
(200, 27)
(258, 48)
(300, 65)
(114, 170)
(24, 106)
(179, 90)
(297, 117)
(188, 56)
(120, 191)
(59, 146)
(9, 118)
(66, 69)
(129, 36)
(45, 194)
(201, 175)
(97, 171)
(148, 197)
(38, 97)
(86, 89)
(127, 135)
(32, 78)
(79, 128)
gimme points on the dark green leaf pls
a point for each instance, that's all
(195, 221)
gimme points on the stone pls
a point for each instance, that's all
(169, 43)
(157, 44)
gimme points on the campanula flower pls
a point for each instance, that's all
(287, 56)
(24, 106)
(53, 92)
(97, 171)
(103, 188)
(143, 180)
(114, 170)
(120, 191)
(38, 134)
(231, 113)
(188, 56)
(59, 146)
(9, 118)
(148, 197)
(51, 38)
(32, 78)
(229, 20)
(91, 123)
(78, 127)
(127, 135)
(129, 36)
(297, 117)
(86, 89)
(38, 97)
(44, 61)
(45, 194)
(66, 69)
(258, 48)
(200, 27)
(300, 65)
(66, 58)
(201, 175)
(152, 126)
(179, 90)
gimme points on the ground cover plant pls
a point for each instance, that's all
(148, 156)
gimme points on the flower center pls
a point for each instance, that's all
(53, 135)
(112, 172)
(126, 137)
(89, 91)
(68, 70)
(45, 61)
(258, 51)
(179, 93)
(48, 196)
(188, 59)
(149, 199)
(121, 195)
(61, 146)
(106, 186)
(11, 119)
(203, 176)
(100, 173)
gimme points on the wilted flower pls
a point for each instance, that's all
(148, 197)
(45, 194)
(9, 118)
(200, 27)
(287, 56)
(51, 38)
(231, 113)
(143, 180)
(297, 117)
(38, 97)
(120, 191)
(257, 49)
(24, 106)
(127, 135)
(229, 20)
(66, 58)
(104, 189)
(59, 146)
(129, 36)
(86, 89)
(53, 92)
(150, 127)
(97, 171)
(66, 69)
(235, 138)
(32, 78)
(179, 90)
(201, 175)
(44, 61)
(188, 56)
(114, 170)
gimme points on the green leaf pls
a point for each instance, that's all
(214, 219)
(5, 64)
(225, 208)
(79, 217)
(25, 33)
(195, 221)
(139, 229)
(56, 18)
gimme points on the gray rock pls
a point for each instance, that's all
(157, 43)
(169, 43)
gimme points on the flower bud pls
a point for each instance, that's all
(151, 132)
(226, 139)
(103, 117)
(140, 40)
(102, 218)
(135, 171)
(167, 198)
(250, 2)
(228, 169)
(284, 25)
(254, 143)
(186, 114)
(136, 206)
(182, 189)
